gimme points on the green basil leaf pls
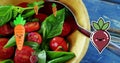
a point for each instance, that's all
(59, 57)
(34, 45)
(7, 61)
(11, 42)
(35, 3)
(105, 26)
(42, 57)
(5, 15)
(62, 59)
(6, 10)
(96, 26)
(15, 13)
(20, 10)
(52, 26)
(101, 22)
(30, 13)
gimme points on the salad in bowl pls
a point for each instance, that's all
(40, 32)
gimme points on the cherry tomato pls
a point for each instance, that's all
(58, 44)
(6, 30)
(41, 16)
(71, 21)
(24, 55)
(23, 4)
(47, 9)
(35, 37)
(5, 53)
(32, 26)
(66, 29)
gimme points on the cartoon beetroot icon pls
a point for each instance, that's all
(100, 37)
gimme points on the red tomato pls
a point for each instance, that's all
(24, 55)
(32, 26)
(66, 29)
(71, 21)
(41, 16)
(35, 37)
(5, 53)
(58, 44)
(6, 30)
(23, 4)
(47, 9)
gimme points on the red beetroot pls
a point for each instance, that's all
(41, 16)
(6, 30)
(101, 39)
(35, 37)
(25, 55)
(66, 29)
(58, 44)
(23, 4)
(5, 53)
(32, 26)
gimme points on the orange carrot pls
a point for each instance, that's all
(19, 35)
(36, 9)
(54, 9)
(19, 31)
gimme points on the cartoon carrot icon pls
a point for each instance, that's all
(19, 31)
(54, 9)
(100, 37)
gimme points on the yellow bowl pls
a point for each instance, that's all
(79, 41)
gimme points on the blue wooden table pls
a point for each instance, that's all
(110, 12)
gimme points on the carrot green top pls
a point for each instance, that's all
(19, 20)
(101, 25)
(53, 5)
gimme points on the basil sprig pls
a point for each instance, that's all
(52, 26)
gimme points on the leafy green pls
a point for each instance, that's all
(5, 15)
(11, 42)
(11, 11)
(6, 10)
(34, 45)
(14, 13)
(18, 9)
(59, 57)
(101, 23)
(35, 3)
(105, 26)
(30, 12)
(7, 61)
(42, 57)
(96, 26)
(45, 45)
(52, 26)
